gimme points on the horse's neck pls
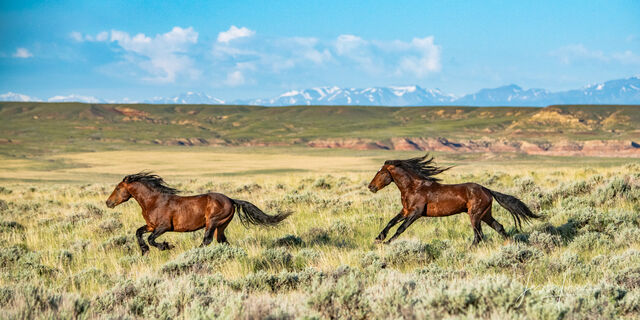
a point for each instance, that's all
(402, 179)
(143, 195)
(406, 181)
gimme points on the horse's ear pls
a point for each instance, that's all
(125, 179)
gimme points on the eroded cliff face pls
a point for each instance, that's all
(592, 148)
(596, 148)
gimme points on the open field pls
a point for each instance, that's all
(64, 254)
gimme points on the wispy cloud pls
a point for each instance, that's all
(234, 33)
(576, 53)
(22, 53)
(418, 58)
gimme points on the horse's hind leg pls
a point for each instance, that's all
(155, 234)
(476, 223)
(208, 236)
(143, 246)
(493, 223)
(220, 237)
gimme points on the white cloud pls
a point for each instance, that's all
(578, 52)
(424, 60)
(235, 78)
(419, 58)
(573, 52)
(102, 36)
(234, 33)
(22, 53)
(77, 36)
(163, 57)
(626, 57)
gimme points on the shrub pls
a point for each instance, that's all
(110, 225)
(410, 251)
(277, 258)
(123, 242)
(304, 257)
(317, 236)
(288, 241)
(513, 255)
(629, 278)
(479, 298)
(8, 226)
(90, 276)
(321, 183)
(372, 260)
(342, 299)
(544, 241)
(591, 240)
(65, 257)
(3, 205)
(202, 259)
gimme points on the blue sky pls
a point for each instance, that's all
(249, 49)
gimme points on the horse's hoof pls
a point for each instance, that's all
(145, 251)
(377, 241)
(387, 242)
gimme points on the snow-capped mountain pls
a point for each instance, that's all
(388, 96)
(506, 95)
(12, 96)
(75, 98)
(187, 98)
(621, 91)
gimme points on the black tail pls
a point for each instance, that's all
(517, 208)
(250, 214)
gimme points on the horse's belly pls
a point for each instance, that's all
(188, 221)
(442, 209)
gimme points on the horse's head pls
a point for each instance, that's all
(119, 195)
(382, 179)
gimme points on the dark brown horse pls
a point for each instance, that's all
(423, 195)
(163, 210)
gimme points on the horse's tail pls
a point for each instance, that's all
(519, 211)
(250, 214)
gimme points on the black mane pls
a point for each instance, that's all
(423, 167)
(150, 180)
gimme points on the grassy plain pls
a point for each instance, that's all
(64, 254)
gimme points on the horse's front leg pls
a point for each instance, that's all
(155, 234)
(383, 234)
(408, 220)
(143, 246)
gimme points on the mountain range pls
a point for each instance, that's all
(621, 91)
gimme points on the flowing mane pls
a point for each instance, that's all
(150, 180)
(423, 167)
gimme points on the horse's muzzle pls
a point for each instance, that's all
(110, 204)
(373, 189)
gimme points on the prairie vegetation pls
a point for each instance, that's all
(64, 254)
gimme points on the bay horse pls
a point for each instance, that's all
(163, 210)
(423, 195)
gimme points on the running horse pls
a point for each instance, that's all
(423, 195)
(164, 210)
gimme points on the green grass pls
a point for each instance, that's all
(64, 254)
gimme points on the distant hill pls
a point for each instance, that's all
(38, 127)
(622, 91)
